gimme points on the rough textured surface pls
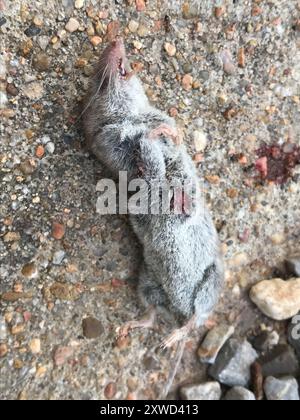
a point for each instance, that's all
(239, 393)
(233, 364)
(255, 101)
(276, 298)
(285, 389)
(210, 391)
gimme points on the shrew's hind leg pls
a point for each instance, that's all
(146, 322)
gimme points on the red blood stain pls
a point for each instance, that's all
(275, 163)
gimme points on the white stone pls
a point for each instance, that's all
(133, 26)
(2, 68)
(58, 257)
(79, 4)
(35, 346)
(209, 391)
(200, 140)
(3, 99)
(72, 25)
(50, 148)
(170, 49)
(278, 299)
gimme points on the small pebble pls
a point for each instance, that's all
(72, 25)
(58, 257)
(2, 21)
(3, 99)
(143, 31)
(219, 11)
(170, 49)
(140, 5)
(187, 82)
(58, 230)
(18, 329)
(35, 346)
(41, 62)
(50, 148)
(110, 390)
(200, 140)
(11, 89)
(28, 167)
(32, 31)
(62, 354)
(79, 4)
(228, 64)
(241, 57)
(3, 350)
(133, 26)
(30, 271)
(65, 292)
(40, 151)
(92, 328)
(96, 40)
(11, 237)
(38, 20)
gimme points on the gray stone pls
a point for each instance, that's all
(58, 257)
(92, 328)
(284, 389)
(238, 393)
(150, 363)
(281, 360)
(293, 265)
(204, 75)
(43, 42)
(294, 334)
(213, 342)
(209, 391)
(233, 364)
(266, 341)
(50, 147)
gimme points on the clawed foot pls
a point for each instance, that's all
(174, 338)
(146, 322)
(167, 131)
(179, 334)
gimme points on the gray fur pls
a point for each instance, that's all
(182, 268)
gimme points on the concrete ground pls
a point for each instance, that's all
(232, 81)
